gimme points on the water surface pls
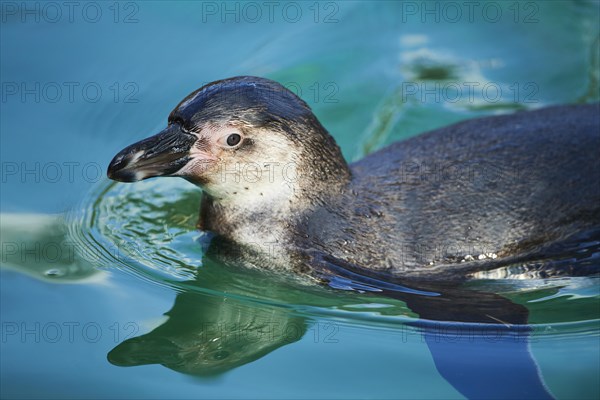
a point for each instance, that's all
(107, 289)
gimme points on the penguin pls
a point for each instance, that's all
(443, 205)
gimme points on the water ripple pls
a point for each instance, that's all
(148, 229)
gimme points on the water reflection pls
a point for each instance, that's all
(39, 245)
(209, 335)
(483, 355)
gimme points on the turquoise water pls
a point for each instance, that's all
(106, 290)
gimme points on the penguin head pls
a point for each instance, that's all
(234, 137)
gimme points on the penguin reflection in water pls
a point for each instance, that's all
(370, 225)
(206, 335)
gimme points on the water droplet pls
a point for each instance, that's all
(221, 355)
(54, 273)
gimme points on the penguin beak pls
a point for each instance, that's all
(160, 155)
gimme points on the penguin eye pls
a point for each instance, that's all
(233, 139)
(230, 139)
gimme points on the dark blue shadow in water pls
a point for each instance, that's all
(484, 354)
(486, 361)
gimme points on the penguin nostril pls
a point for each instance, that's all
(124, 160)
(185, 127)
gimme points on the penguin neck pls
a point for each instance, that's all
(264, 218)
(265, 221)
(256, 225)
